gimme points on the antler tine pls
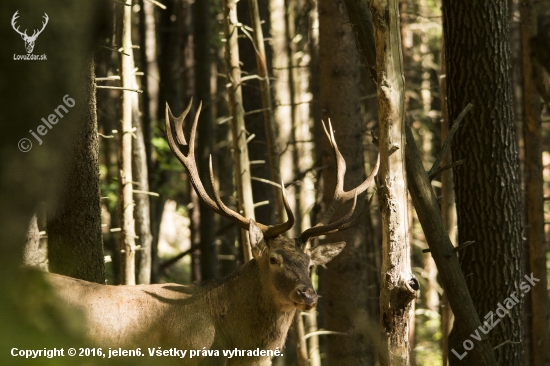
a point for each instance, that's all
(189, 163)
(227, 212)
(321, 229)
(340, 195)
(360, 216)
(340, 162)
(13, 20)
(178, 123)
(278, 229)
(44, 23)
(194, 128)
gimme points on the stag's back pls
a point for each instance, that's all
(167, 315)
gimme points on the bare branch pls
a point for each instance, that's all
(447, 143)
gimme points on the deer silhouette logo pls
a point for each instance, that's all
(29, 40)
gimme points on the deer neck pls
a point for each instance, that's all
(242, 301)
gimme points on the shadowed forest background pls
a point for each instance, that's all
(471, 81)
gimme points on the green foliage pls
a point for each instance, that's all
(109, 189)
(166, 163)
(428, 336)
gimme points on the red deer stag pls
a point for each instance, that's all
(250, 309)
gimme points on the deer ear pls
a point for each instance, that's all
(257, 241)
(324, 253)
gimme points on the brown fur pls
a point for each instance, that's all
(251, 308)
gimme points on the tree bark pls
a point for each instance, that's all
(170, 90)
(442, 250)
(142, 207)
(487, 184)
(75, 244)
(149, 85)
(347, 273)
(444, 255)
(253, 102)
(448, 211)
(265, 91)
(202, 34)
(30, 313)
(238, 129)
(31, 255)
(532, 133)
(125, 179)
(398, 286)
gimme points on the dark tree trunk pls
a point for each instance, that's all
(477, 54)
(169, 47)
(347, 273)
(75, 244)
(206, 133)
(252, 101)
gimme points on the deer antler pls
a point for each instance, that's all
(340, 197)
(24, 34)
(216, 205)
(36, 33)
(13, 19)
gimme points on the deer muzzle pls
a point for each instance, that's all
(305, 297)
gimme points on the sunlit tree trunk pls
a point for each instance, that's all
(265, 92)
(149, 105)
(448, 211)
(238, 130)
(142, 208)
(31, 255)
(398, 287)
(125, 133)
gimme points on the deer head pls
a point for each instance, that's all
(29, 40)
(283, 263)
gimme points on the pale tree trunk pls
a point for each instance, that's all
(125, 196)
(487, 184)
(75, 243)
(269, 120)
(142, 207)
(532, 133)
(272, 146)
(448, 211)
(264, 195)
(31, 255)
(399, 286)
(442, 250)
(141, 196)
(431, 292)
(290, 31)
(149, 85)
(238, 130)
(345, 279)
(314, 352)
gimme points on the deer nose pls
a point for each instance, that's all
(307, 294)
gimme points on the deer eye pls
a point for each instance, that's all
(273, 260)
